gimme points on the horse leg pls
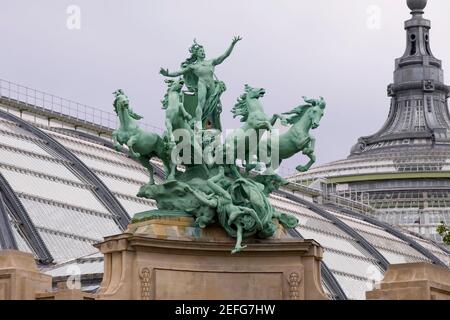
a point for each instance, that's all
(115, 141)
(311, 145)
(145, 161)
(308, 151)
(130, 145)
(170, 132)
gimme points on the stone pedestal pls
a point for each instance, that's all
(413, 281)
(20, 278)
(171, 259)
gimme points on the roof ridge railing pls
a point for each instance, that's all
(61, 106)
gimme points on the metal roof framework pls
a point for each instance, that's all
(414, 244)
(25, 223)
(381, 260)
(327, 276)
(7, 240)
(105, 195)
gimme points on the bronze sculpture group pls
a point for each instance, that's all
(202, 175)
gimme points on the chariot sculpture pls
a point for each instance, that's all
(207, 176)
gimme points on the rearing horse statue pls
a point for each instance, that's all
(302, 118)
(142, 145)
(256, 122)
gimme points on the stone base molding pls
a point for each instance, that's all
(169, 258)
(20, 278)
(413, 281)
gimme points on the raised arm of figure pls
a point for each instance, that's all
(166, 73)
(227, 53)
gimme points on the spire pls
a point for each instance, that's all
(419, 113)
(418, 31)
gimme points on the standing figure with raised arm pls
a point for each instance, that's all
(199, 77)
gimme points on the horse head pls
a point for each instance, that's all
(316, 112)
(247, 105)
(312, 111)
(173, 86)
(122, 108)
(254, 93)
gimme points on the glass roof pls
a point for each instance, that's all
(70, 218)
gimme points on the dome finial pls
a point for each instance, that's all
(417, 6)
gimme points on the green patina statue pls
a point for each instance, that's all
(142, 145)
(256, 123)
(297, 139)
(217, 191)
(200, 79)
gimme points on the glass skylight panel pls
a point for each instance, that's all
(121, 186)
(67, 220)
(133, 207)
(371, 229)
(64, 248)
(345, 245)
(355, 289)
(400, 247)
(397, 258)
(42, 187)
(36, 164)
(97, 150)
(326, 227)
(341, 262)
(114, 168)
(20, 143)
(441, 254)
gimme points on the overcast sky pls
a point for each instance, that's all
(341, 50)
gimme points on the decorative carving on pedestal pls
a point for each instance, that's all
(146, 281)
(294, 286)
